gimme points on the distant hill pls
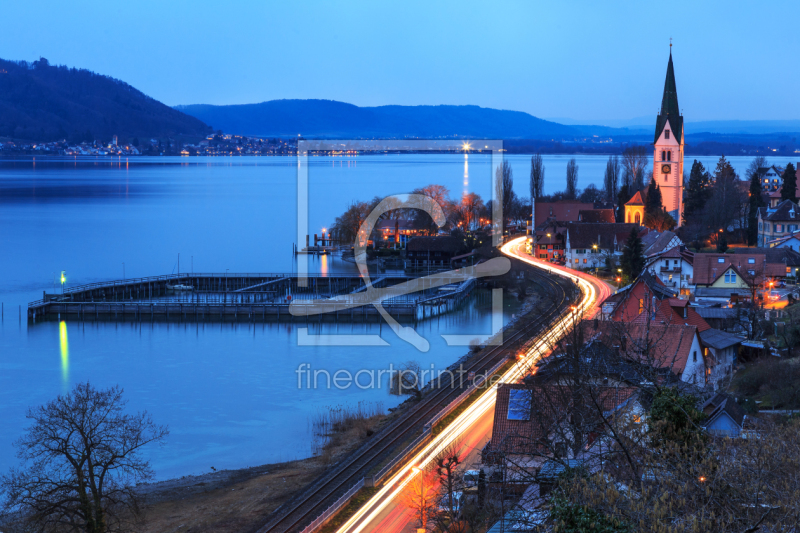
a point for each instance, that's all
(42, 102)
(328, 118)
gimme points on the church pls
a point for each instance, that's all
(668, 151)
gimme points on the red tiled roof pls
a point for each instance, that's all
(597, 215)
(636, 200)
(550, 406)
(659, 345)
(564, 211)
(708, 267)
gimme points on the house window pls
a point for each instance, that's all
(576, 260)
(641, 305)
(543, 247)
(778, 227)
(669, 155)
(585, 260)
(666, 134)
(751, 272)
(663, 155)
(730, 276)
(720, 259)
(519, 404)
(670, 277)
(751, 260)
(694, 356)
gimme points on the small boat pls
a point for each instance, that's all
(179, 288)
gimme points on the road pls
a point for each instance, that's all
(473, 428)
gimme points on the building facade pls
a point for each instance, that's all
(668, 148)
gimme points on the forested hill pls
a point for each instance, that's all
(42, 102)
(328, 118)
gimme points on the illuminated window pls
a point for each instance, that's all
(641, 305)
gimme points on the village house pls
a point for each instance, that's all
(777, 222)
(395, 231)
(432, 252)
(550, 243)
(534, 420)
(588, 245)
(647, 302)
(729, 278)
(674, 267)
(724, 417)
(770, 178)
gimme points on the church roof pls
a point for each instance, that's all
(670, 112)
(636, 200)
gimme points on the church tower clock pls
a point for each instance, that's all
(668, 152)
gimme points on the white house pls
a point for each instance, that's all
(675, 268)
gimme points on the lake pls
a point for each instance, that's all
(228, 392)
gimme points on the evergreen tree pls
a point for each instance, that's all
(789, 185)
(697, 191)
(724, 170)
(722, 243)
(653, 203)
(756, 201)
(632, 260)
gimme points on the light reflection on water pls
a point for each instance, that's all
(64, 344)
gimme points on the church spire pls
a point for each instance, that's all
(670, 112)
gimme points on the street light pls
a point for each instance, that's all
(63, 280)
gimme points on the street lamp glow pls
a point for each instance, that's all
(63, 277)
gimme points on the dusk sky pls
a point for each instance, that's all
(587, 61)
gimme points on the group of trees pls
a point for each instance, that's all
(719, 203)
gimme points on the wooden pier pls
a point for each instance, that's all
(249, 297)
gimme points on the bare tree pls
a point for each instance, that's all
(571, 191)
(537, 176)
(446, 466)
(504, 188)
(611, 178)
(419, 495)
(757, 162)
(634, 164)
(81, 460)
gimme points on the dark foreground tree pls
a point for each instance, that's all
(755, 201)
(697, 192)
(789, 185)
(504, 188)
(572, 180)
(632, 260)
(611, 178)
(80, 462)
(537, 176)
(653, 204)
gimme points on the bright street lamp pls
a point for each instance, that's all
(63, 280)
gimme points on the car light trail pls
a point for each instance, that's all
(592, 290)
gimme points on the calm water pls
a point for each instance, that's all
(228, 392)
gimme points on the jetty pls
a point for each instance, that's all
(257, 296)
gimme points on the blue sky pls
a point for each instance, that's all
(581, 60)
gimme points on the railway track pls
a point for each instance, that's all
(307, 506)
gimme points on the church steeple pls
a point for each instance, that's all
(670, 112)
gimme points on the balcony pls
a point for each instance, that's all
(670, 269)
